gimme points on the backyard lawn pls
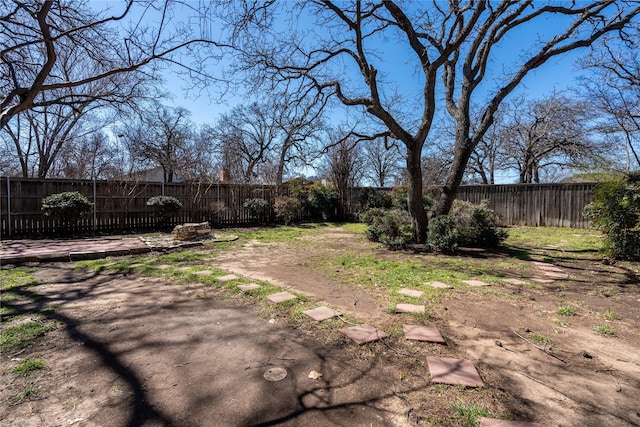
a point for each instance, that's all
(171, 338)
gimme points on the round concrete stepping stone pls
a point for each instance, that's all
(320, 313)
(281, 297)
(204, 273)
(439, 285)
(362, 334)
(515, 281)
(227, 278)
(475, 283)
(493, 422)
(454, 372)
(410, 292)
(409, 308)
(423, 333)
(275, 374)
(249, 287)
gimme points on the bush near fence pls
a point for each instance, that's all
(120, 206)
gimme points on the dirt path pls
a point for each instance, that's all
(133, 350)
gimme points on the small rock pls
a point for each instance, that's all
(584, 353)
(499, 343)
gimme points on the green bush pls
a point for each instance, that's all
(616, 211)
(165, 204)
(324, 201)
(286, 208)
(399, 199)
(69, 205)
(393, 228)
(258, 208)
(467, 225)
(368, 216)
(164, 207)
(370, 198)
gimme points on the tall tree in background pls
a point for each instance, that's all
(539, 136)
(344, 166)
(341, 49)
(383, 161)
(613, 86)
(162, 137)
(119, 47)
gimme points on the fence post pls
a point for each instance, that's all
(95, 207)
(9, 207)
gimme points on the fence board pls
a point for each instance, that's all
(552, 205)
(120, 206)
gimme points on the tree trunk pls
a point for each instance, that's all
(414, 196)
(454, 177)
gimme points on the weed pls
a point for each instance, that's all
(566, 310)
(24, 334)
(610, 315)
(560, 322)
(68, 405)
(604, 330)
(540, 339)
(439, 389)
(27, 393)
(469, 414)
(27, 366)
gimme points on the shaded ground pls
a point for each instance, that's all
(134, 350)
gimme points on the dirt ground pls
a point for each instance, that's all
(133, 350)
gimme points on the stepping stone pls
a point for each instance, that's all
(204, 273)
(183, 268)
(281, 297)
(249, 287)
(321, 313)
(543, 281)
(475, 283)
(162, 267)
(549, 267)
(515, 281)
(423, 333)
(227, 278)
(439, 285)
(409, 308)
(454, 371)
(556, 275)
(410, 292)
(362, 334)
(493, 422)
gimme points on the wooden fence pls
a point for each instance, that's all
(553, 205)
(120, 206)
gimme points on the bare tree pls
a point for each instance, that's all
(342, 52)
(162, 137)
(246, 137)
(90, 157)
(344, 167)
(39, 37)
(383, 161)
(613, 86)
(538, 136)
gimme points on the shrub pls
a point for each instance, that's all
(399, 199)
(258, 208)
(393, 228)
(371, 198)
(616, 211)
(286, 209)
(69, 205)
(466, 225)
(165, 204)
(324, 201)
(368, 216)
